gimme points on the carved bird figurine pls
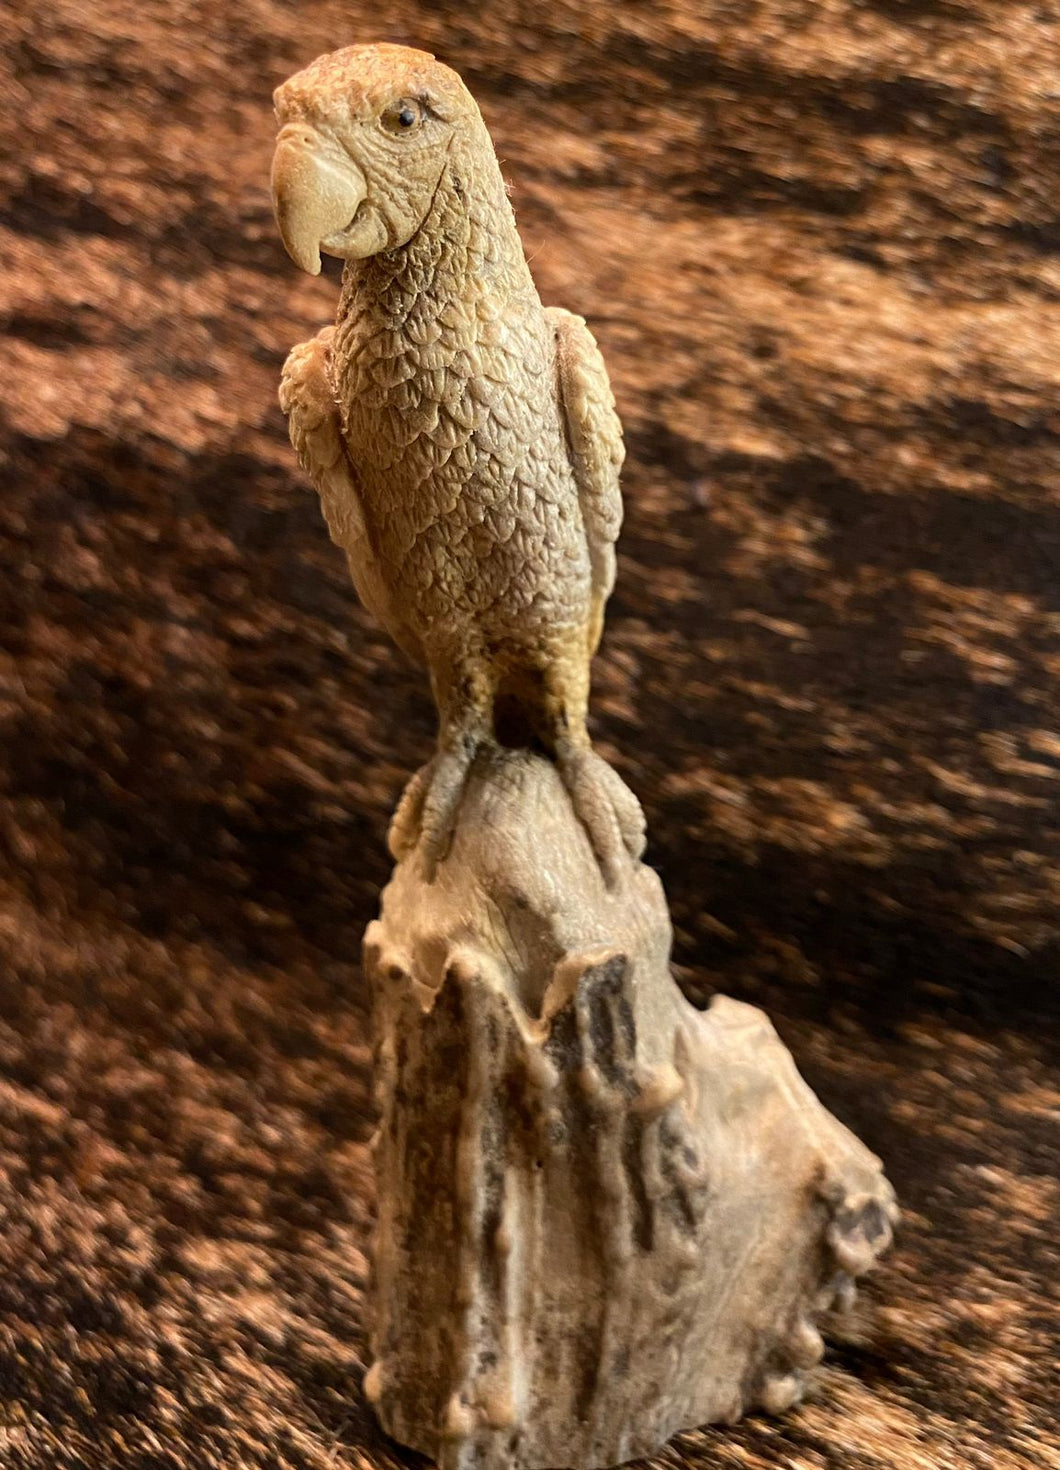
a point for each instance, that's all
(463, 438)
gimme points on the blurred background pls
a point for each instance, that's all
(818, 241)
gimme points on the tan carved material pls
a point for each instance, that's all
(463, 438)
(603, 1215)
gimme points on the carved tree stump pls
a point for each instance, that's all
(604, 1216)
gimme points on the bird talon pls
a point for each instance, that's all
(609, 812)
(425, 820)
(436, 838)
(404, 831)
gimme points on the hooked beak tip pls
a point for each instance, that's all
(314, 194)
(305, 254)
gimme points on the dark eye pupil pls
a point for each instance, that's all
(406, 117)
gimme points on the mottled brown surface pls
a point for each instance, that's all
(819, 245)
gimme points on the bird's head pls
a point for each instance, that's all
(364, 137)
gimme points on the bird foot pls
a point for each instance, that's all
(608, 811)
(404, 831)
(426, 814)
(425, 818)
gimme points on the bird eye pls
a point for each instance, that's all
(403, 117)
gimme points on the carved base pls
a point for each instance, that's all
(604, 1216)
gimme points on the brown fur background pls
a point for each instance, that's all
(819, 243)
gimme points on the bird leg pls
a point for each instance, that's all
(606, 808)
(425, 818)
(426, 815)
(602, 802)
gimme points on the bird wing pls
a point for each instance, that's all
(308, 399)
(594, 436)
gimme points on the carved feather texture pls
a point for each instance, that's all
(464, 440)
(466, 449)
(307, 397)
(594, 434)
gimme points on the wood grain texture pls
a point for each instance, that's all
(818, 244)
(604, 1216)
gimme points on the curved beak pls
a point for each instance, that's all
(316, 191)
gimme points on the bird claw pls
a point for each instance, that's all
(425, 819)
(404, 831)
(608, 810)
